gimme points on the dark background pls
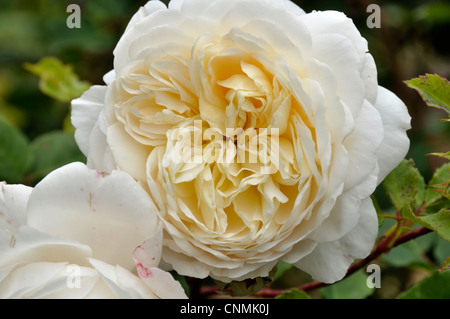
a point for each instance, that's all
(413, 40)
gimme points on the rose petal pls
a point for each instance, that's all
(112, 214)
(362, 145)
(122, 283)
(329, 261)
(149, 252)
(23, 282)
(13, 204)
(29, 245)
(396, 122)
(345, 214)
(129, 155)
(85, 112)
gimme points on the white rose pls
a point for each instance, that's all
(249, 66)
(74, 234)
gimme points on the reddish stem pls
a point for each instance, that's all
(382, 247)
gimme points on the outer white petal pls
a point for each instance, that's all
(144, 11)
(329, 261)
(110, 213)
(362, 145)
(42, 280)
(109, 77)
(129, 155)
(396, 122)
(29, 245)
(161, 283)
(122, 282)
(147, 257)
(85, 112)
(149, 252)
(335, 22)
(70, 281)
(13, 204)
(100, 156)
(369, 76)
(345, 214)
(196, 7)
(25, 281)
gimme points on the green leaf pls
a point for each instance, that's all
(13, 153)
(438, 222)
(440, 177)
(378, 210)
(353, 287)
(445, 266)
(57, 80)
(432, 287)
(433, 12)
(281, 269)
(441, 250)
(442, 155)
(293, 294)
(410, 253)
(433, 89)
(247, 287)
(53, 150)
(402, 184)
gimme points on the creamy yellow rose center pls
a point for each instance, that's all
(218, 121)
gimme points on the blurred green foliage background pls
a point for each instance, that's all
(413, 40)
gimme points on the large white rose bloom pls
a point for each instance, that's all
(255, 66)
(74, 235)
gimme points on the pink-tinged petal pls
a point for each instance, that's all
(161, 282)
(149, 252)
(13, 204)
(396, 122)
(147, 257)
(329, 261)
(111, 214)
